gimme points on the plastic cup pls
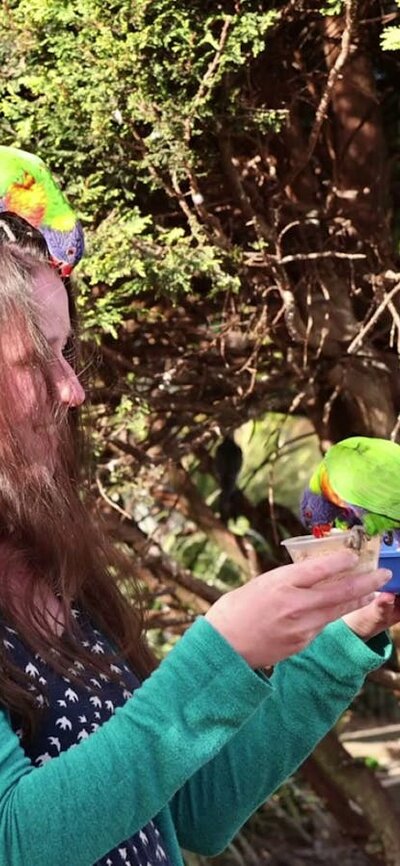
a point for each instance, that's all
(302, 547)
(389, 557)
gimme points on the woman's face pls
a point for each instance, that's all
(33, 409)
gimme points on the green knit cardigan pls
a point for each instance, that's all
(200, 745)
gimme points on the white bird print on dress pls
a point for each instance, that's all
(31, 670)
(71, 695)
(97, 648)
(64, 723)
(87, 705)
(83, 735)
(42, 759)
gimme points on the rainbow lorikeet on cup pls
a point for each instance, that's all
(358, 481)
(320, 515)
(28, 189)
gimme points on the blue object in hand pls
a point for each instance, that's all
(389, 557)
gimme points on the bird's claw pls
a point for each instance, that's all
(388, 538)
(357, 538)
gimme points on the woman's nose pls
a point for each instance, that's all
(69, 388)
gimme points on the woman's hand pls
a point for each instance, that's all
(376, 616)
(280, 612)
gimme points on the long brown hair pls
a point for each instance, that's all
(48, 533)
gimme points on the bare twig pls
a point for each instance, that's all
(156, 560)
(206, 82)
(109, 501)
(325, 254)
(351, 9)
(372, 321)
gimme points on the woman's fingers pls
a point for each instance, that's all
(315, 570)
(381, 613)
(278, 613)
(348, 588)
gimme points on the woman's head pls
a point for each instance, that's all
(40, 394)
(46, 517)
(38, 382)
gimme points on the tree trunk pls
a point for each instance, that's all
(358, 783)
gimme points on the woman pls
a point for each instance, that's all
(104, 757)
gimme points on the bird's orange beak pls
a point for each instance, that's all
(321, 530)
(63, 268)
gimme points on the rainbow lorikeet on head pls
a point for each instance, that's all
(28, 189)
(360, 477)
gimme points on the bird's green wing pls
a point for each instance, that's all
(15, 166)
(366, 472)
(12, 168)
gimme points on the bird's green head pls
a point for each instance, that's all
(315, 480)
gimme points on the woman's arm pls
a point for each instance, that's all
(83, 803)
(80, 805)
(309, 693)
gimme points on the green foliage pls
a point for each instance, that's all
(390, 39)
(279, 454)
(116, 95)
(133, 256)
(332, 7)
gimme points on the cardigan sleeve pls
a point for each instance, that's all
(81, 804)
(309, 693)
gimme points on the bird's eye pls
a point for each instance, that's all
(70, 252)
(308, 514)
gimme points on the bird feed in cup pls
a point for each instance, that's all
(302, 547)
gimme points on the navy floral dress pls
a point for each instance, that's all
(72, 713)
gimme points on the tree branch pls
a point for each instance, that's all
(351, 9)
